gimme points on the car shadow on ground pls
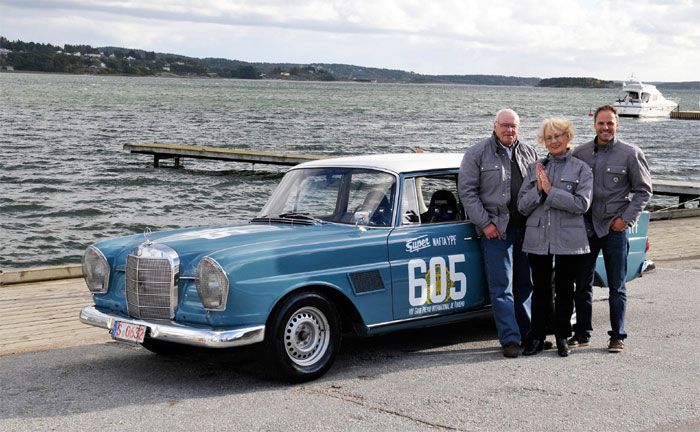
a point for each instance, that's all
(112, 375)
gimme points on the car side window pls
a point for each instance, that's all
(373, 195)
(431, 199)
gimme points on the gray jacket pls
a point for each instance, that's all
(619, 169)
(555, 220)
(484, 181)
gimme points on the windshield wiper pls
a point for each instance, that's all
(300, 216)
(292, 217)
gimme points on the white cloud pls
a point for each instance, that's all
(658, 40)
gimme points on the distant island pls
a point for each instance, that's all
(85, 59)
(577, 82)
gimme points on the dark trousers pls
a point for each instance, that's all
(615, 247)
(566, 268)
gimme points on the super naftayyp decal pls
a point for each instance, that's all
(423, 242)
(416, 244)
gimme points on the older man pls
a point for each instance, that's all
(621, 189)
(489, 180)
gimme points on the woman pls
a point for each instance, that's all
(554, 196)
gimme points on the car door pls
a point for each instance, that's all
(435, 260)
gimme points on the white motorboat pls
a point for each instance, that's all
(642, 100)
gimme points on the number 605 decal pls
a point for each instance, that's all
(436, 284)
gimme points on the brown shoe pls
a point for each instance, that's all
(578, 341)
(616, 346)
(511, 349)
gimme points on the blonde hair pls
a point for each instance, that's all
(556, 124)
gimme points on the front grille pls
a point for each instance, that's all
(151, 287)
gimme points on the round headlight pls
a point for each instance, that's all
(95, 270)
(212, 284)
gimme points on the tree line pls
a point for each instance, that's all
(38, 57)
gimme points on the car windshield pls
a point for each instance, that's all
(342, 195)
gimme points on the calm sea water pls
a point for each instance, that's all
(66, 182)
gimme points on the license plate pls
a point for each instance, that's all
(128, 332)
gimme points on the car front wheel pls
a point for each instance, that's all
(304, 337)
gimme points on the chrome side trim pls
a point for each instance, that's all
(177, 333)
(457, 315)
(648, 266)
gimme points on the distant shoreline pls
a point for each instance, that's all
(20, 56)
(663, 86)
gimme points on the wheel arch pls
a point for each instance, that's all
(349, 316)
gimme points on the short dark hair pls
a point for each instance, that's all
(610, 108)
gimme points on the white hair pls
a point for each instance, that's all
(506, 110)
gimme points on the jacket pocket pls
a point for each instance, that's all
(491, 174)
(615, 177)
(568, 184)
(534, 234)
(616, 207)
(533, 221)
(572, 221)
(572, 235)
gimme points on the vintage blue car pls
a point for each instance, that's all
(364, 244)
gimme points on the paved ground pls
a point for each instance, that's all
(44, 315)
(675, 239)
(448, 378)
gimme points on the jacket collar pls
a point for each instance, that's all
(496, 143)
(604, 147)
(563, 158)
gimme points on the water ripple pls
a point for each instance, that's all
(67, 182)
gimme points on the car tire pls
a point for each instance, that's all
(303, 338)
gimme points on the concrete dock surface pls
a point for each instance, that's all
(44, 315)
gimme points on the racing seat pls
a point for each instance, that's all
(442, 208)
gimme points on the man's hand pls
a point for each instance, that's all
(618, 224)
(491, 232)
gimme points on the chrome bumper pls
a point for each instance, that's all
(177, 333)
(648, 266)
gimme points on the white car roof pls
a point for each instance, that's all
(393, 162)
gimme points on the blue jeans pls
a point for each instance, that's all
(615, 246)
(510, 286)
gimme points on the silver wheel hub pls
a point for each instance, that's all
(306, 336)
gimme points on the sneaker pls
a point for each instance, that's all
(616, 346)
(578, 341)
(511, 349)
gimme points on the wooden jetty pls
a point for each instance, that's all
(685, 191)
(176, 152)
(685, 115)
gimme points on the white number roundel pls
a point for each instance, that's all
(437, 284)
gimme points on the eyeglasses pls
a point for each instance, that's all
(554, 137)
(508, 125)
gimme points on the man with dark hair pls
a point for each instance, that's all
(621, 190)
(490, 177)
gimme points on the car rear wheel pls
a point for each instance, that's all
(304, 337)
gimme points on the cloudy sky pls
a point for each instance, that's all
(608, 39)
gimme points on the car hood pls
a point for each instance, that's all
(225, 242)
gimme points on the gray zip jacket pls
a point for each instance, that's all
(619, 169)
(555, 220)
(484, 181)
